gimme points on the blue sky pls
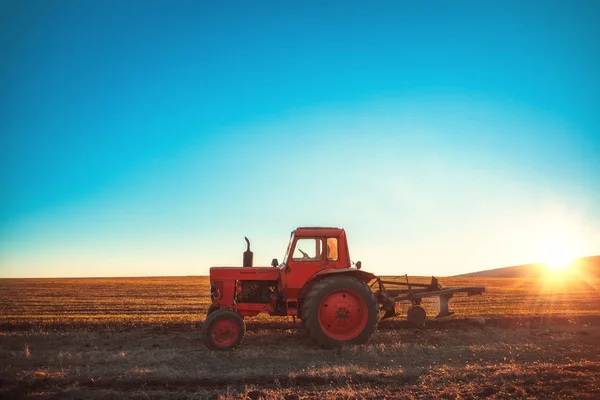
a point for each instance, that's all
(148, 138)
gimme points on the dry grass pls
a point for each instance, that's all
(104, 301)
(169, 301)
(139, 338)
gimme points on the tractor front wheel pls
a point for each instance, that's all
(211, 309)
(339, 310)
(223, 329)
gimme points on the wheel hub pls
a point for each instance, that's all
(343, 314)
(224, 332)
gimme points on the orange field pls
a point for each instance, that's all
(184, 300)
(139, 338)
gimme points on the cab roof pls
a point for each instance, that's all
(318, 231)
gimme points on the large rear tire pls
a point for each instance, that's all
(223, 329)
(340, 310)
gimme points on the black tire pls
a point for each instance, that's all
(324, 289)
(225, 339)
(211, 309)
(302, 319)
(416, 315)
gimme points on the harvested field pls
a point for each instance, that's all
(139, 338)
(121, 302)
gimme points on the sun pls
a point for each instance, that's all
(559, 264)
(559, 258)
(557, 241)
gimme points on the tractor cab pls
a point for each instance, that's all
(316, 241)
(310, 252)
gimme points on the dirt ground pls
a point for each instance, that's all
(121, 338)
(519, 357)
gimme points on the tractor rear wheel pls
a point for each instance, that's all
(223, 329)
(339, 310)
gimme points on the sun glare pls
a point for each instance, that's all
(559, 258)
(558, 264)
(559, 245)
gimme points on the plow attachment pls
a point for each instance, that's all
(415, 293)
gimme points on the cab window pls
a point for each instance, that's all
(332, 249)
(308, 249)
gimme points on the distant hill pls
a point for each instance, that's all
(585, 266)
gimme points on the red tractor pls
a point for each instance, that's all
(337, 302)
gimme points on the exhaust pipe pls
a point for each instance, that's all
(248, 255)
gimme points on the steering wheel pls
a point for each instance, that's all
(304, 255)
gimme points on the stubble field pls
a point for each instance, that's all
(139, 338)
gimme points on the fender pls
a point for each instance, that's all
(364, 276)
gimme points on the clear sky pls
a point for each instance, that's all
(148, 138)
